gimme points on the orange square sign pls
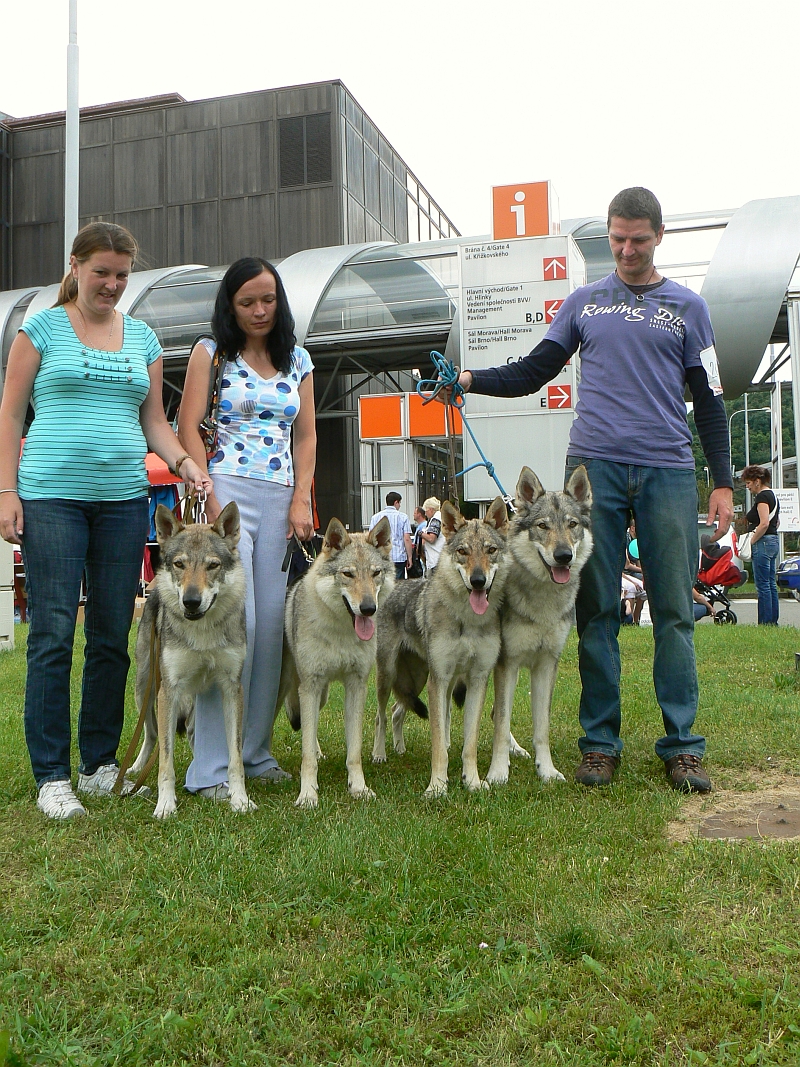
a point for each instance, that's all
(523, 210)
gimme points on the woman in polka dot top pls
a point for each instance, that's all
(265, 462)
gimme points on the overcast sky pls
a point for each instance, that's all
(694, 99)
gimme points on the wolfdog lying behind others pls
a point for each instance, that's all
(196, 612)
(549, 541)
(446, 630)
(329, 635)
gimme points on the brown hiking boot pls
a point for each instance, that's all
(596, 768)
(686, 773)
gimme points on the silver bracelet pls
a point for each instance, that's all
(8, 490)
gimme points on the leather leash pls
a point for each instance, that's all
(153, 683)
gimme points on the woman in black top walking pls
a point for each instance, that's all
(762, 520)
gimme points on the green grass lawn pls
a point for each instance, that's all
(530, 925)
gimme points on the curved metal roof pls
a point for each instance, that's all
(746, 282)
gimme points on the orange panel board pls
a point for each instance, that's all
(428, 420)
(522, 210)
(380, 416)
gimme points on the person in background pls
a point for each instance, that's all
(402, 546)
(762, 521)
(76, 501)
(265, 462)
(420, 524)
(702, 606)
(433, 537)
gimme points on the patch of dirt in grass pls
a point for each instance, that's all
(771, 812)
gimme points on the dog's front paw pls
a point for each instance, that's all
(400, 747)
(435, 789)
(515, 748)
(549, 774)
(165, 807)
(378, 756)
(242, 803)
(474, 785)
(364, 793)
(497, 777)
(307, 799)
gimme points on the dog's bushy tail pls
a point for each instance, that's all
(460, 694)
(420, 708)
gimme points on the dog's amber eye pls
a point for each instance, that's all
(572, 524)
(463, 552)
(376, 573)
(349, 574)
(213, 564)
(542, 525)
(491, 549)
(178, 564)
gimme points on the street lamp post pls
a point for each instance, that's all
(746, 412)
(72, 137)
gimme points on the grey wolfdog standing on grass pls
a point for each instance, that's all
(549, 541)
(329, 635)
(196, 612)
(445, 629)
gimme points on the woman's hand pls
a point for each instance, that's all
(195, 477)
(300, 521)
(11, 518)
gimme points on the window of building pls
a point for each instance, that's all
(305, 150)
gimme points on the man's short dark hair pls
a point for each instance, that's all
(636, 203)
(392, 499)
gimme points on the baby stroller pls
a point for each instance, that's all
(718, 572)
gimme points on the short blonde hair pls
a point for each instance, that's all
(431, 502)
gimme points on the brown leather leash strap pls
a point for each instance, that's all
(194, 508)
(153, 683)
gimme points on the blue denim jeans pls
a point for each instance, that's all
(62, 540)
(664, 503)
(765, 555)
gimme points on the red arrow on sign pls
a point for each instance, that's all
(559, 396)
(554, 267)
(550, 309)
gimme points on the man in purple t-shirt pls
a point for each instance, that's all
(643, 339)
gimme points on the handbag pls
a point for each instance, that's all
(209, 425)
(745, 542)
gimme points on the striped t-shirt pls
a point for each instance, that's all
(86, 442)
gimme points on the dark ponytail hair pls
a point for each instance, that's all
(229, 337)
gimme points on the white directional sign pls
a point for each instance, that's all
(789, 501)
(511, 292)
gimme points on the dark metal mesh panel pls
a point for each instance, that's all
(292, 159)
(318, 148)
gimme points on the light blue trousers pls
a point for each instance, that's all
(264, 507)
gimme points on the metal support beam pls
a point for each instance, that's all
(793, 315)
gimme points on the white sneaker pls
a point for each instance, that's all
(57, 801)
(102, 782)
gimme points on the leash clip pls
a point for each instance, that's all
(202, 496)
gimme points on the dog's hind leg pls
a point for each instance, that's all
(505, 682)
(355, 696)
(168, 702)
(543, 681)
(309, 696)
(383, 686)
(473, 707)
(232, 711)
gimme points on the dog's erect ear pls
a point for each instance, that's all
(166, 524)
(529, 488)
(452, 519)
(579, 487)
(380, 536)
(228, 523)
(497, 515)
(336, 537)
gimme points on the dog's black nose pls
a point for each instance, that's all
(477, 580)
(367, 607)
(192, 601)
(563, 556)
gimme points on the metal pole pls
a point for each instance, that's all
(777, 466)
(747, 500)
(793, 316)
(72, 137)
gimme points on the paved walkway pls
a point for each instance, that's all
(747, 613)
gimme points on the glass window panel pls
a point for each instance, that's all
(383, 294)
(392, 463)
(178, 313)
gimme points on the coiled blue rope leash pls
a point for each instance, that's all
(447, 378)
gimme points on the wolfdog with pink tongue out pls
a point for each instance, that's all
(329, 635)
(445, 629)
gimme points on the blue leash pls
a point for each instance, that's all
(447, 378)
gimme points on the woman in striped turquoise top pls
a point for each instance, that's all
(76, 502)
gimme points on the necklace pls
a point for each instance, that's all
(86, 331)
(640, 296)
